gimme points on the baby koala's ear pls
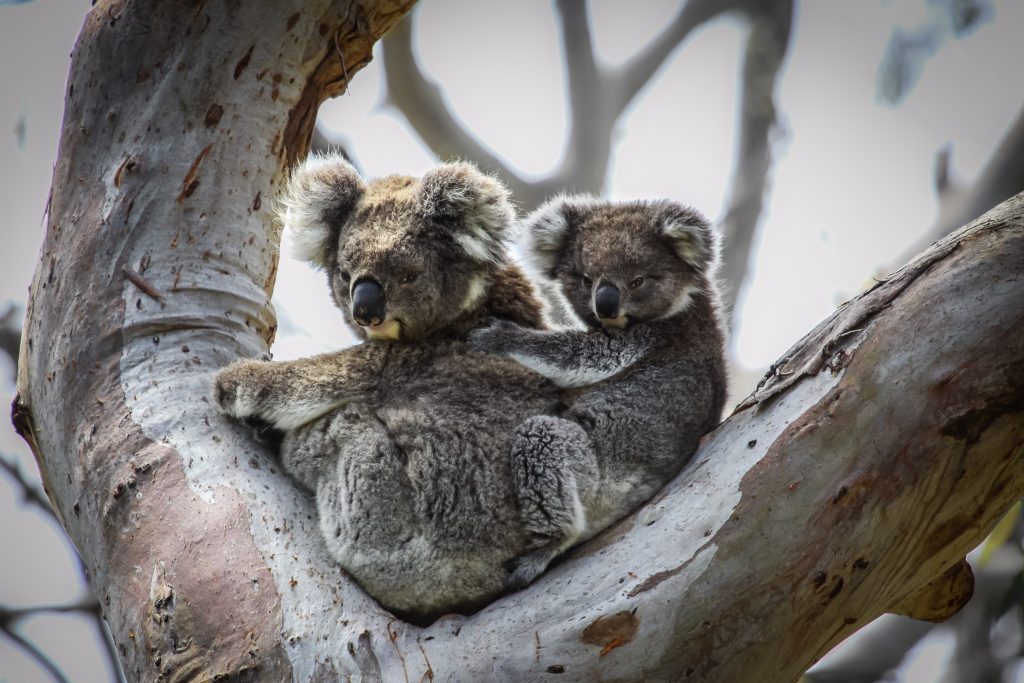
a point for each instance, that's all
(319, 197)
(690, 233)
(469, 204)
(547, 229)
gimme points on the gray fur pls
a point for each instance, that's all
(638, 398)
(404, 439)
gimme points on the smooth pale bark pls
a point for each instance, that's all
(880, 452)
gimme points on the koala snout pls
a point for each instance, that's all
(368, 302)
(606, 300)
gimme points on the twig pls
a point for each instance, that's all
(90, 606)
(142, 283)
(35, 653)
(10, 334)
(341, 56)
(30, 492)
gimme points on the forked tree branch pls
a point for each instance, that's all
(423, 105)
(629, 78)
(852, 483)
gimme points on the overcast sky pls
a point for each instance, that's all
(851, 188)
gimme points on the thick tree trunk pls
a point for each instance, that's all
(180, 122)
(883, 448)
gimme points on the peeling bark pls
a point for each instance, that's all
(882, 448)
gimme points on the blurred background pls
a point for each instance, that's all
(830, 141)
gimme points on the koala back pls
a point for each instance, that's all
(418, 504)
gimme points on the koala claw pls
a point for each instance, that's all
(225, 391)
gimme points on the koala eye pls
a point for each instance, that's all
(346, 276)
(587, 282)
(637, 281)
(408, 277)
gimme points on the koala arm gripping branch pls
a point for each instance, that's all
(569, 358)
(289, 394)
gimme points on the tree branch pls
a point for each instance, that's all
(421, 103)
(35, 653)
(631, 77)
(767, 44)
(8, 615)
(196, 580)
(584, 165)
(30, 493)
(1001, 177)
(10, 334)
(892, 437)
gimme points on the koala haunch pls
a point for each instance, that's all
(645, 381)
(404, 439)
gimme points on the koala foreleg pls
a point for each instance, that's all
(554, 472)
(569, 358)
(289, 394)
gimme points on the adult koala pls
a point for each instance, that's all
(405, 439)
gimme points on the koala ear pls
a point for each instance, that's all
(475, 205)
(691, 235)
(547, 229)
(319, 197)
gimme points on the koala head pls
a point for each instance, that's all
(617, 264)
(405, 257)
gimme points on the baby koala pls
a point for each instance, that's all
(642, 383)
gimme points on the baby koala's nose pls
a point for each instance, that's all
(368, 302)
(606, 300)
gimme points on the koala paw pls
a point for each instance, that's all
(235, 391)
(526, 568)
(499, 336)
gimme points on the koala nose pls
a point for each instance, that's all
(368, 302)
(606, 300)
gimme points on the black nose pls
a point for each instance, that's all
(606, 300)
(368, 302)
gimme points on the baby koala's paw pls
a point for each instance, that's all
(499, 336)
(236, 389)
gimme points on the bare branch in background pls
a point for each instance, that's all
(322, 143)
(1001, 178)
(30, 493)
(10, 334)
(422, 104)
(634, 74)
(584, 164)
(597, 98)
(27, 646)
(9, 616)
(910, 47)
(881, 647)
(767, 44)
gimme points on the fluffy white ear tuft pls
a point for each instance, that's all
(547, 229)
(472, 205)
(691, 235)
(319, 197)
